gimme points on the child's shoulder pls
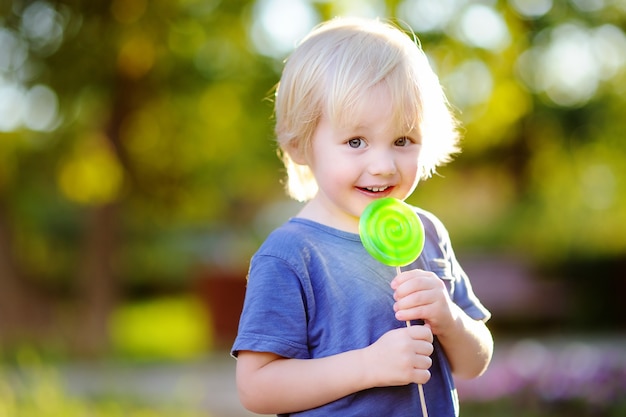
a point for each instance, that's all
(294, 229)
(430, 221)
(297, 244)
(291, 235)
(301, 235)
(305, 230)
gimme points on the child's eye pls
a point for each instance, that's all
(403, 141)
(356, 143)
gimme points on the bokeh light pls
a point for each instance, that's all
(277, 25)
(91, 175)
(428, 16)
(531, 8)
(570, 60)
(481, 26)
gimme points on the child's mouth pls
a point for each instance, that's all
(377, 189)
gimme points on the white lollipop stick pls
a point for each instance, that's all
(420, 388)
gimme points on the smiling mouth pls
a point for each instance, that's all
(376, 189)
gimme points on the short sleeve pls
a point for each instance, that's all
(274, 314)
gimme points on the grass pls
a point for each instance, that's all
(41, 394)
(34, 387)
(31, 388)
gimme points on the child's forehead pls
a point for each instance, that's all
(357, 111)
(394, 126)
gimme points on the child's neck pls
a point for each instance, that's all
(319, 213)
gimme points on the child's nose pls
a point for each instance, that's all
(382, 163)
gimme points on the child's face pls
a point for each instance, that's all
(371, 158)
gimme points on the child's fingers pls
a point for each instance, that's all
(422, 333)
(404, 277)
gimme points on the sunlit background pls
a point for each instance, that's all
(138, 174)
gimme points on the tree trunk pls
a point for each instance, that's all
(97, 285)
(11, 292)
(25, 315)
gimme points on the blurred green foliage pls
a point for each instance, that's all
(136, 138)
(161, 329)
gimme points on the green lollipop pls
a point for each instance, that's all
(394, 235)
(391, 232)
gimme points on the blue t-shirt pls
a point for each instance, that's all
(314, 291)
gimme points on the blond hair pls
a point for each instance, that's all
(332, 70)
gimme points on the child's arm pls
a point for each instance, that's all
(270, 384)
(467, 342)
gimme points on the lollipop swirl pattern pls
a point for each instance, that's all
(391, 232)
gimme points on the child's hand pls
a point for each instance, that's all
(400, 357)
(422, 295)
